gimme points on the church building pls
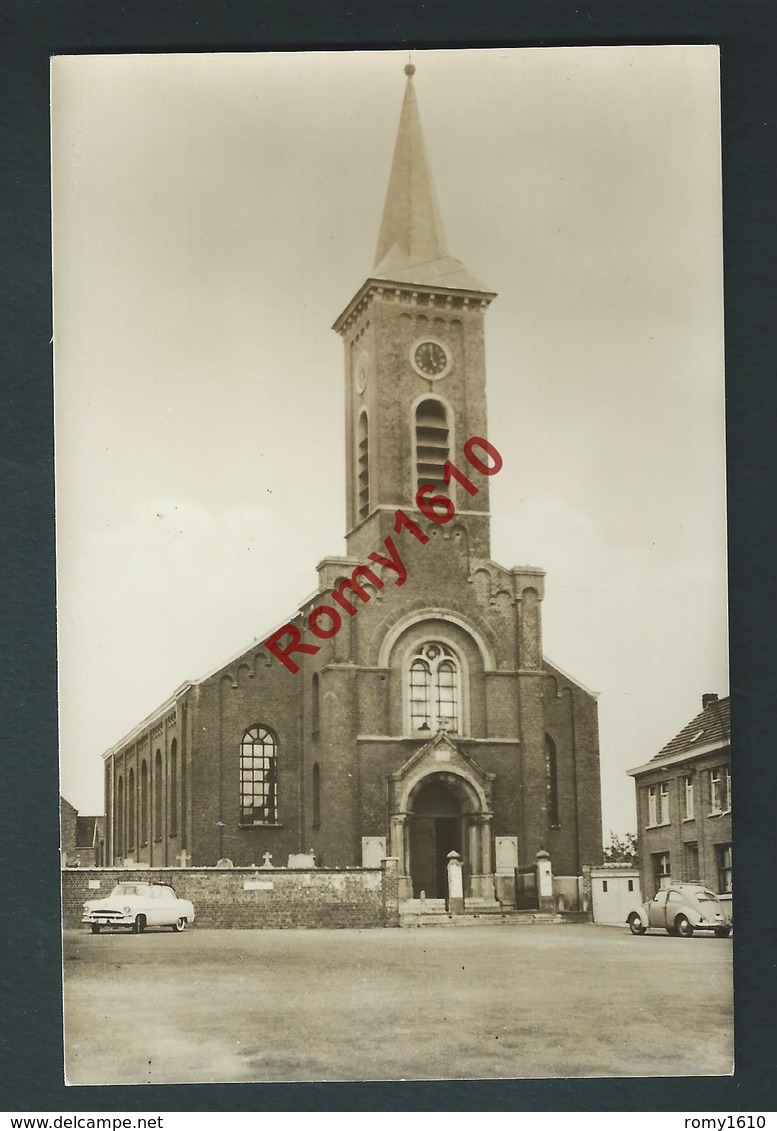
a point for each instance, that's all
(407, 709)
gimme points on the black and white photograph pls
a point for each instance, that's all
(391, 565)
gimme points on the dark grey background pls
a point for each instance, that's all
(31, 31)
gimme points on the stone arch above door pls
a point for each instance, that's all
(442, 762)
(441, 756)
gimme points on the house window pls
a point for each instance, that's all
(631, 885)
(258, 777)
(432, 444)
(723, 853)
(131, 809)
(604, 885)
(316, 795)
(661, 873)
(551, 780)
(362, 468)
(688, 783)
(144, 802)
(691, 862)
(720, 789)
(658, 804)
(174, 787)
(158, 807)
(434, 689)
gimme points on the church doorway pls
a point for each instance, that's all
(436, 828)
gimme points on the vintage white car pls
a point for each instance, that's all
(139, 905)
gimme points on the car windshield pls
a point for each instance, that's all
(130, 889)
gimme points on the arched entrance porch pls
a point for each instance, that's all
(436, 826)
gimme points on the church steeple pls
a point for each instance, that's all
(414, 361)
(411, 245)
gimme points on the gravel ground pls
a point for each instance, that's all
(424, 1003)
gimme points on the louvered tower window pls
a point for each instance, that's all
(363, 468)
(432, 444)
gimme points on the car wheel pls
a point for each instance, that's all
(672, 931)
(636, 926)
(179, 925)
(95, 928)
(139, 926)
(722, 932)
(683, 925)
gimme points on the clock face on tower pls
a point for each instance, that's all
(430, 358)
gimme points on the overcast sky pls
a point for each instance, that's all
(213, 214)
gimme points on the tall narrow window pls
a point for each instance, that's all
(432, 444)
(119, 818)
(434, 689)
(258, 777)
(144, 802)
(720, 789)
(363, 468)
(658, 804)
(551, 778)
(691, 862)
(131, 794)
(662, 875)
(723, 853)
(316, 795)
(174, 787)
(315, 704)
(688, 797)
(183, 797)
(158, 795)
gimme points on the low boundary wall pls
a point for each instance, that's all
(255, 898)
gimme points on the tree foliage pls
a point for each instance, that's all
(622, 850)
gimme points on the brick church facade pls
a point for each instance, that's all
(407, 710)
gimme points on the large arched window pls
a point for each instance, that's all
(144, 802)
(363, 468)
(174, 787)
(258, 777)
(432, 443)
(551, 777)
(158, 806)
(131, 793)
(434, 689)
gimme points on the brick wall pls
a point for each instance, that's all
(363, 897)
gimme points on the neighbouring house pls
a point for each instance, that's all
(684, 805)
(82, 838)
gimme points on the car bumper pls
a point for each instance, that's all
(107, 920)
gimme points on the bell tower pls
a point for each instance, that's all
(414, 361)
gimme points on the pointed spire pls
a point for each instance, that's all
(411, 244)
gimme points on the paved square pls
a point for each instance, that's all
(424, 1003)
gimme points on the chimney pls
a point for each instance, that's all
(708, 698)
